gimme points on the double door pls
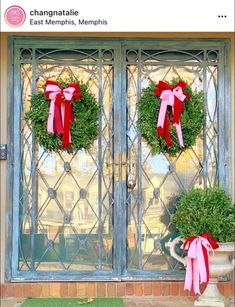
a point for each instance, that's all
(105, 213)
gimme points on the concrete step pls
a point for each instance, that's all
(163, 302)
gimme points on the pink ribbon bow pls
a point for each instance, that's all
(174, 98)
(60, 112)
(197, 271)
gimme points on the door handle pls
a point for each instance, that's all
(131, 180)
(122, 168)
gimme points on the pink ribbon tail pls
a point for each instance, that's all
(201, 261)
(50, 120)
(53, 90)
(162, 114)
(192, 270)
(57, 121)
(179, 134)
(196, 281)
(189, 275)
(167, 99)
(178, 92)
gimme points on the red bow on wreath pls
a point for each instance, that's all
(174, 97)
(61, 114)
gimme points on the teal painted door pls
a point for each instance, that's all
(106, 213)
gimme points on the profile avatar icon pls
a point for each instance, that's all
(15, 16)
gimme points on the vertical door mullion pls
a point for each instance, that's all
(34, 164)
(139, 174)
(17, 161)
(117, 186)
(205, 162)
(223, 121)
(123, 131)
(226, 60)
(10, 161)
(100, 170)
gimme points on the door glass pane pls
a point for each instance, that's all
(67, 199)
(160, 179)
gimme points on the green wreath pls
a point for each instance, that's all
(192, 119)
(83, 130)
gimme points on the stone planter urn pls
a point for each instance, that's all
(220, 264)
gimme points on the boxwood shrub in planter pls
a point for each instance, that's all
(207, 210)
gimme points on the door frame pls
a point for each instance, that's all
(119, 232)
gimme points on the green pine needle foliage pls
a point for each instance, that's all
(84, 130)
(192, 120)
(209, 210)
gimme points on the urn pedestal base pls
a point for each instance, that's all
(212, 297)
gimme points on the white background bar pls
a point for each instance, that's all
(123, 16)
